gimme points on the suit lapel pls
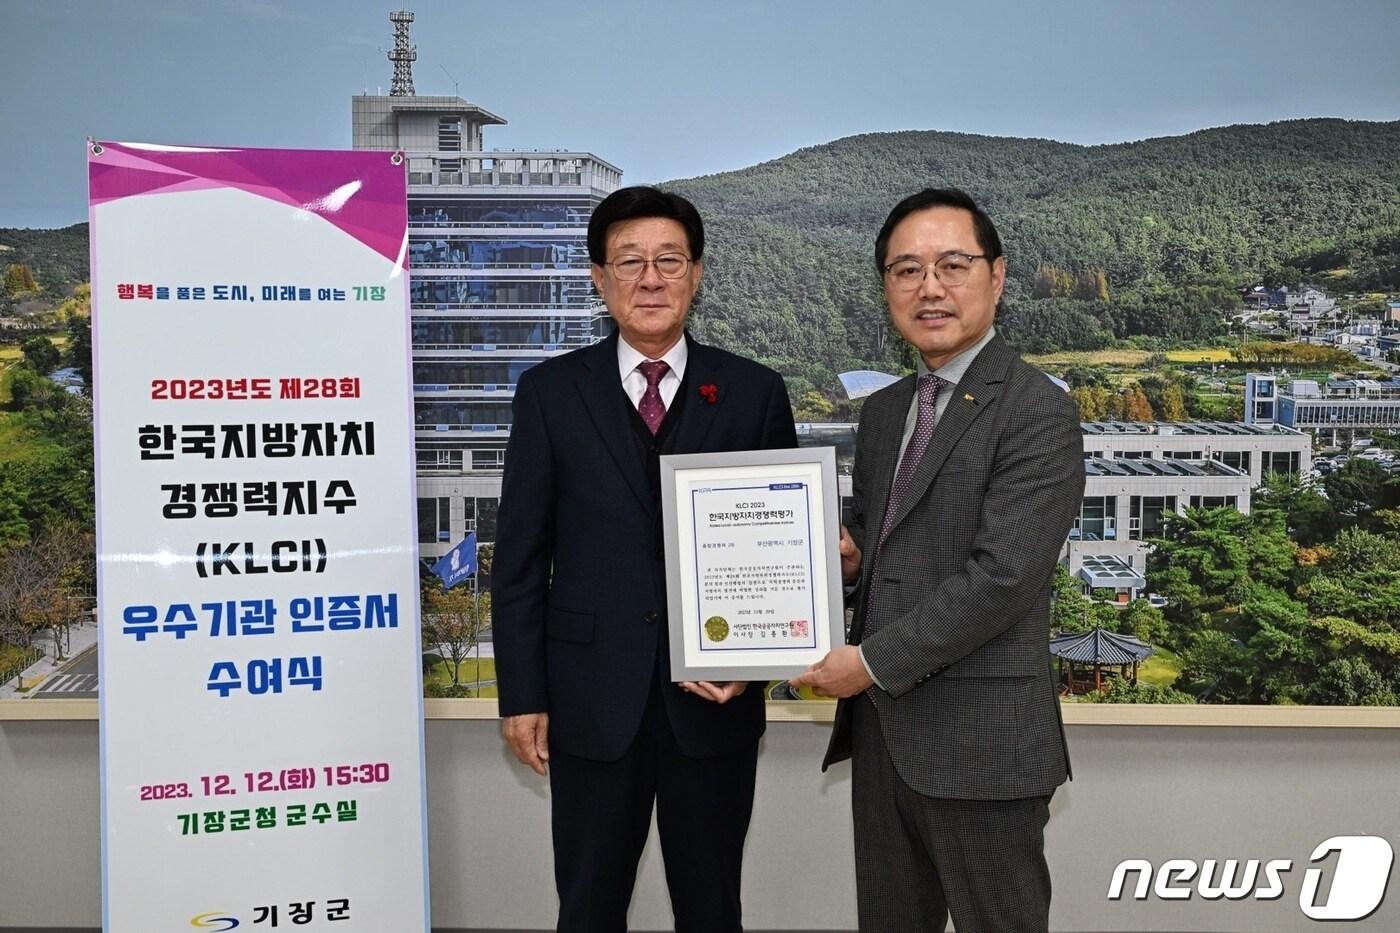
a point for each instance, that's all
(703, 367)
(600, 387)
(885, 428)
(969, 398)
(885, 434)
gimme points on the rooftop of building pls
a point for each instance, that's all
(1192, 428)
(1363, 384)
(435, 103)
(1154, 469)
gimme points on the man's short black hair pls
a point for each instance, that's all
(987, 240)
(643, 201)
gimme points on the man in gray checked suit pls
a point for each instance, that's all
(967, 478)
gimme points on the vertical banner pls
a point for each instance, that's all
(261, 684)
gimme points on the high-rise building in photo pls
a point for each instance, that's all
(499, 281)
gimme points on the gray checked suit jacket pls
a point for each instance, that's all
(958, 631)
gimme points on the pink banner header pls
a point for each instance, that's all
(362, 192)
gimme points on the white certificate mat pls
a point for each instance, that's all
(753, 573)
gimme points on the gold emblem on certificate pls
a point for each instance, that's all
(716, 628)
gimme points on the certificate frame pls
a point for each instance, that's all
(791, 474)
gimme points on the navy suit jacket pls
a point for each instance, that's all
(578, 585)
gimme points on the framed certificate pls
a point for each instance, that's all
(753, 574)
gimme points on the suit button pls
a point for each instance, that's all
(649, 616)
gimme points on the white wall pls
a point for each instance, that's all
(1154, 792)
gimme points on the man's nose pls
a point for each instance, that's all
(651, 277)
(930, 286)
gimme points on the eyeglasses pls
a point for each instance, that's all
(632, 268)
(906, 275)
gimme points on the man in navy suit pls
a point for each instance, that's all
(579, 584)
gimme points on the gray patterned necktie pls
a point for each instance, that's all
(651, 408)
(928, 387)
(929, 384)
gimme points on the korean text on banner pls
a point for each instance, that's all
(260, 681)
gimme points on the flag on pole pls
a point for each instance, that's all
(457, 564)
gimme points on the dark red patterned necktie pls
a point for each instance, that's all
(651, 408)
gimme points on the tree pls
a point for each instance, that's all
(79, 354)
(1209, 561)
(1091, 285)
(813, 406)
(1173, 407)
(1121, 691)
(1360, 488)
(19, 279)
(29, 391)
(14, 528)
(1084, 397)
(1353, 682)
(453, 621)
(1078, 375)
(1108, 402)
(1069, 611)
(1284, 658)
(1219, 665)
(1135, 405)
(1051, 282)
(41, 354)
(1144, 621)
(1105, 615)
(39, 582)
(1309, 517)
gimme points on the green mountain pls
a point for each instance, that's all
(57, 259)
(1170, 229)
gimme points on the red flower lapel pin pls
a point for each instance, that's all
(710, 393)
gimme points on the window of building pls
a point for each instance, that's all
(450, 134)
(434, 525)
(435, 460)
(500, 293)
(1146, 515)
(488, 459)
(477, 415)
(481, 516)
(1238, 459)
(1279, 461)
(1097, 520)
(1213, 502)
(420, 171)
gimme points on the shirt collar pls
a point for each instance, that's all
(628, 357)
(953, 370)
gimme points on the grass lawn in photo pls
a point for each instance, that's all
(19, 443)
(10, 654)
(468, 675)
(1160, 669)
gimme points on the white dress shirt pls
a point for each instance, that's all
(635, 384)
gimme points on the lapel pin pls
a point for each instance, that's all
(967, 397)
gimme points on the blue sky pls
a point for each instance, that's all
(670, 89)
